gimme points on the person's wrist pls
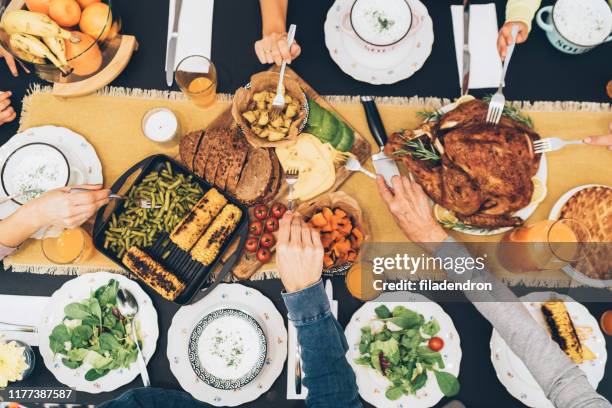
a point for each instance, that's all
(33, 215)
(276, 29)
(296, 287)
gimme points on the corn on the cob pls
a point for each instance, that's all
(207, 248)
(153, 274)
(562, 329)
(187, 232)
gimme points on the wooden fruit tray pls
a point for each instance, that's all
(361, 149)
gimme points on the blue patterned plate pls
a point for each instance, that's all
(227, 349)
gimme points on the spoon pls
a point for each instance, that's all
(128, 306)
(354, 165)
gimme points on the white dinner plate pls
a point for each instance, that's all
(372, 385)
(517, 379)
(224, 296)
(78, 289)
(572, 272)
(372, 64)
(82, 158)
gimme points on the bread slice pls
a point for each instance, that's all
(202, 155)
(240, 148)
(218, 139)
(188, 148)
(226, 156)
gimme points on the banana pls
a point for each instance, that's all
(29, 22)
(33, 46)
(24, 56)
(57, 47)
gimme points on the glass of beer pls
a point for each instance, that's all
(70, 246)
(197, 77)
(545, 245)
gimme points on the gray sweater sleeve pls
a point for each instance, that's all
(563, 382)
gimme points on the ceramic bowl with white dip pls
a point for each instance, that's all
(576, 26)
(381, 23)
(33, 169)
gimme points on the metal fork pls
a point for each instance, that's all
(552, 144)
(142, 202)
(278, 103)
(291, 177)
(498, 101)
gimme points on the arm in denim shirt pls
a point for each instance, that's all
(328, 376)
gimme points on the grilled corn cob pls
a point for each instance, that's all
(187, 232)
(153, 274)
(207, 248)
(562, 329)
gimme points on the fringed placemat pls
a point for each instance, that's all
(111, 121)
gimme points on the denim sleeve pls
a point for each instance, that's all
(327, 375)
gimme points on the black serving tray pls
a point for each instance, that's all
(195, 275)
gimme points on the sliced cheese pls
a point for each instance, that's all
(315, 162)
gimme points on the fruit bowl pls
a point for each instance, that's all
(67, 41)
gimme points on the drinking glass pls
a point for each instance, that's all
(545, 245)
(70, 246)
(197, 77)
(359, 281)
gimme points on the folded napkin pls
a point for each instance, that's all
(485, 64)
(195, 28)
(22, 310)
(291, 344)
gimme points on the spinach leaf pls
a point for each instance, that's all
(107, 295)
(363, 360)
(94, 308)
(93, 374)
(407, 319)
(60, 333)
(57, 347)
(448, 383)
(108, 342)
(394, 393)
(77, 311)
(81, 335)
(71, 364)
(382, 312)
(77, 354)
(419, 382)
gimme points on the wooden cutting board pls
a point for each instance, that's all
(361, 149)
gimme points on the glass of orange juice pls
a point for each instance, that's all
(197, 77)
(360, 282)
(545, 245)
(72, 245)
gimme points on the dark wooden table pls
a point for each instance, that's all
(538, 72)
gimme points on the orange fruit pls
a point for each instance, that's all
(66, 13)
(83, 54)
(38, 6)
(96, 21)
(85, 3)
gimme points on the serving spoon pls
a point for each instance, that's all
(128, 306)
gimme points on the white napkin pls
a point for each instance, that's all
(195, 28)
(22, 310)
(485, 63)
(291, 344)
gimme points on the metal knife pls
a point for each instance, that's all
(465, 82)
(298, 368)
(171, 50)
(383, 165)
(10, 327)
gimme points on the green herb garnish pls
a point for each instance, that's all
(417, 149)
(513, 112)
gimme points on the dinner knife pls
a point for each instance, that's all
(10, 327)
(383, 165)
(465, 82)
(171, 50)
(329, 291)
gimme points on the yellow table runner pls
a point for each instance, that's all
(111, 121)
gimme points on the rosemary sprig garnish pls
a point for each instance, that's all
(460, 226)
(513, 112)
(417, 149)
(428, 115)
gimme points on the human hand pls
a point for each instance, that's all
(7, 113)
(299, 253)
(410, 207)
(603, 140)
(274, 49)
(61, 208)
(504, 39)
(10, 61)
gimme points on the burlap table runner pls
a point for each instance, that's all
(111, 121)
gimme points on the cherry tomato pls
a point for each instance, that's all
(436, 344)
(251, 244)
(260, 212)
(263, 255)
(278, 210)
(255, 228)
(267, 240)
(271, 224)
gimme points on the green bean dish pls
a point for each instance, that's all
(172, 196)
